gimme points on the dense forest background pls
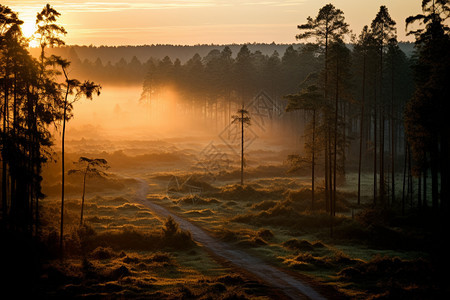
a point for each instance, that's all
(129, 64)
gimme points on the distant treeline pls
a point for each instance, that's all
(129, 64)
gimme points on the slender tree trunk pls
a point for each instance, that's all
(335, 137)
(410, 179)
(382, 178)
(392, 136)
(375, 154)
(13, 164)
(434, 175)
(327, 146)
(313, 158)
(330, 172)
(61, 237)
(82, 197)
(419, 192)
(4, 144)
(343, 107)
(382, 124)
(327, 198)
(242, 145)
(361, 128)
(445, 165)
(425, 171)
(404, 177)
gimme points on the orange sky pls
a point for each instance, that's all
(118, 22)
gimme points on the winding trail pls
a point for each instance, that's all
(292, 287)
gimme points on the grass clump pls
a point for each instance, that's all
(101, 253)
(300, 245)
(247, 193)
(196, 200)
(394, 278)
(387, 269)
(174, 237)
(231, 279)
(265, 234)
(264, 205)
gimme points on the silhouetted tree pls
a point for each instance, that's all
(30, 105)
(328, 26)
(48, 33)
(339, 64)
(427, 111)
(89, 166)
(78, 90)
(383, 31)
(243, 118)
(361, 52)
(9, 22)
(309, 99)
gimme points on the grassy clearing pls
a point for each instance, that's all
(279, 226)
(271, 217)
(123, 250)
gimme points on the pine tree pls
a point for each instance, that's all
(243, 119)
(427, 111)
(328, 26)
(383, 31)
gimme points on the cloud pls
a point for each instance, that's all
(114, 6)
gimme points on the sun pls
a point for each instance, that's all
(28, 28)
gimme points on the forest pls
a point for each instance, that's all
(311, 170)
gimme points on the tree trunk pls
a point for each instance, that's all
(404, 177)
(82, 197)
(335, 138)
(382, 121)
(375, 154)
(410, 179)
(242, 145)
(313, 158)
(419, 192)
(4, 144)
(444, 166)
(61, 236)
(392, 137)
(361, 129)
(424, 201)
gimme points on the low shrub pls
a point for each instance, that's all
(264, 205)
(174, 237)
(389, 268)
(231, 279)
(101, 253)
(265, 234)
(295, 244)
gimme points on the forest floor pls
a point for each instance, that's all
(232, 240)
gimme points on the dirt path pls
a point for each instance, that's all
(292, 287)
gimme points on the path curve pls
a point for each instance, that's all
(292, 287)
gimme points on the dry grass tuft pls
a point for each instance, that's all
(265, 234)
(394, 278)
(301, 245)
(196, 200)
(101, 253)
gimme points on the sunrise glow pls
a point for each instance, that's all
(200, 22)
